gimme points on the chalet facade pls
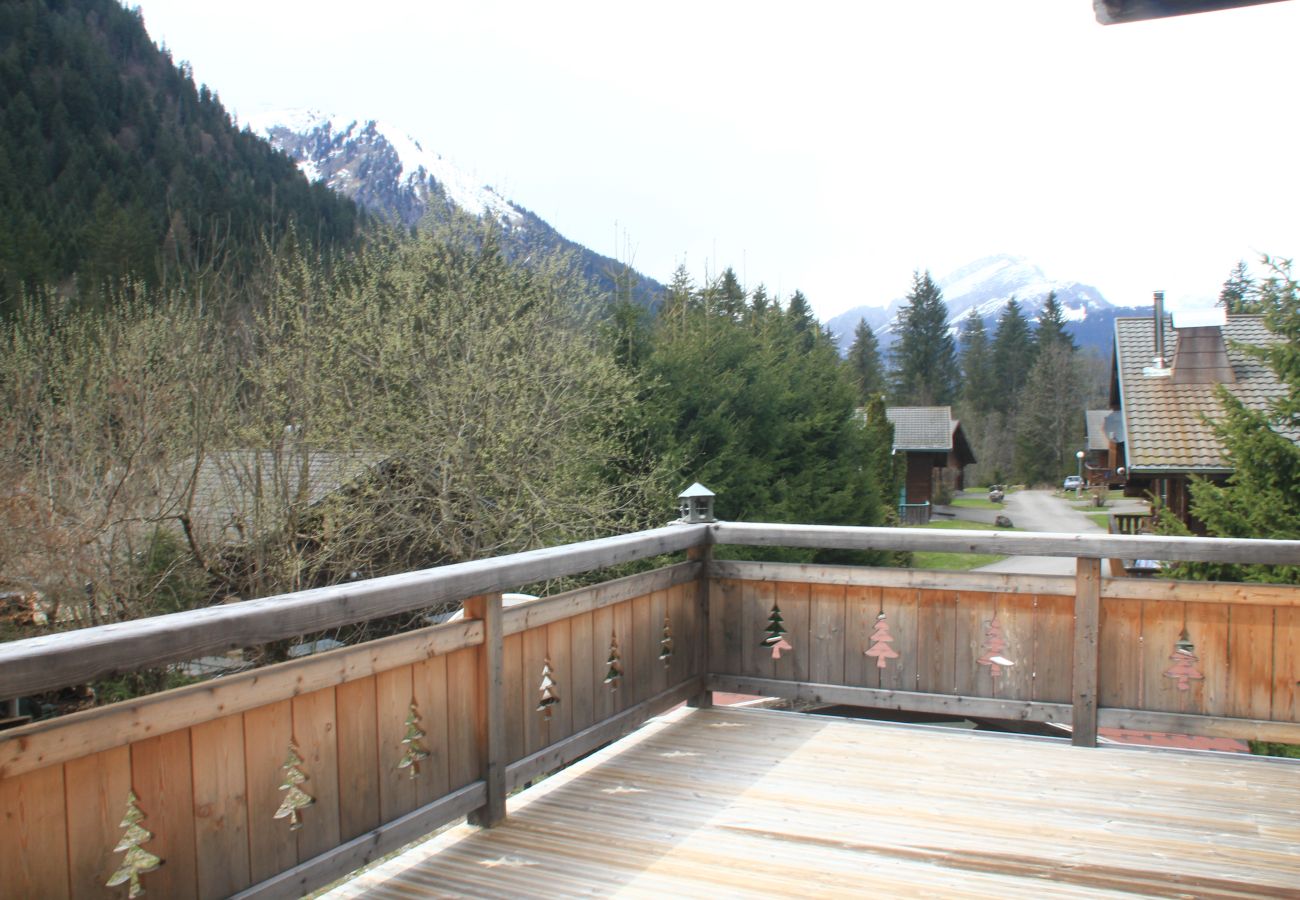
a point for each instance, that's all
(1163, 383)
(936, 450)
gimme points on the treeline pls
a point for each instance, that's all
(421, 401)
(1020, 391)
(115, 166)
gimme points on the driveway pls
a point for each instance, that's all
(1033, 511)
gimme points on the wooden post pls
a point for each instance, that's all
(1087, 627)
(704, 555)
(490, 721)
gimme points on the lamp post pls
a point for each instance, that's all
(1078, 492)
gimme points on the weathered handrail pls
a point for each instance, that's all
(42, 663)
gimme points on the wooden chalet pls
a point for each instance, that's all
(274, 782)
(937, 453)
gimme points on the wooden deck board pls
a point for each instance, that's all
(750, 803)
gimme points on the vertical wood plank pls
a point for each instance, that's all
(1120, 670)
(463, 703)
(97, 787)
(826, 633)
(394, 690)
(161, 775)
(1285, 705)
(972, 614)
(1209, 695)
(795, 601)
(1053, 648)
(757, 598)
(1016, 616)
(559, 650)
(316, 735)
(358, 757)
(728, 657)
(936, 641)
(272, 847)
(536, 732)
(621, 698)
(220, 807)
(1250, 662)
(582, 683)
(513, 695)
(34, 835)
(489, 723)
(1087, 628)
(645, 642)
(658, 671)
(604, 701)
(684, 635)
(698, 608)
(429, 685)
(901, 608)
(861, 606)
(1162, 625)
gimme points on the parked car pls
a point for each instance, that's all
(1073, 482)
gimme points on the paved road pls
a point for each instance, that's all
(1034, 511)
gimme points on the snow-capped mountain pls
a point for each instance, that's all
(983, 288)
(391, 175)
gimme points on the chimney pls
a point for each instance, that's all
(1158, 365)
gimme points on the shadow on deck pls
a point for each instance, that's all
(750, 803)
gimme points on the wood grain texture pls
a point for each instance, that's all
(1053, 648)
(1086, 662)
(97, 787)
(316, 735)
(429, 686)
(394, 693)
(463, 703)
(560, 607)
(220, 807)
(1250, 663)
(162, 776)
(272, 847)
(826, 634)
(1015, 614)
(583, 683)
(358, 726)
(1120, 667)
(936, 642)
(1286, 666)
(34, 835)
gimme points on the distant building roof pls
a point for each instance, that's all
(1098, 439)
(1165, 417)
(928, 429)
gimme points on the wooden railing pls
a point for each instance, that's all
(221, 772)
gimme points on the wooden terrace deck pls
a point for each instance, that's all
(757, 803)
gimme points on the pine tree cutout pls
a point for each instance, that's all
(613, 664)
(295, 798)
(880, 641)
(994, 644)
(666, 644)
(549, 689)
(138, 861)
(414, 741)
(775, 633)
(1184, 661)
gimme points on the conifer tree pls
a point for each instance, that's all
(1013, 356)
(864, 363)
(1049, 427)
(730, 295)
(979, 388)
(925, 357)
(799, 314)
(1238, 293)
(1051, 325)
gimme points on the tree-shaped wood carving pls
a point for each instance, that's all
(613, 664)
(880, 641)
(414, 741)
(137, 861)
(549, 689)
(666, 643)
(295, 798)
(1184, 661)
(994, 644)
(775, 637)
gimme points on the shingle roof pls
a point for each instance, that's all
(1165, 421)
(922, 427)
(1097, 438)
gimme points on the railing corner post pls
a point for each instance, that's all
(490, 720)
(703, 554)
(1087, 650)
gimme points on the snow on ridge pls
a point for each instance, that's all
(459, 187)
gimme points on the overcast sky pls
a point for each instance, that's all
(828, 147)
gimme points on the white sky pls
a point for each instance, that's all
(828, 147)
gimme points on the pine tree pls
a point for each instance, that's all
(666, 643)
(925, 357)
(979, 388)
(1051, 325)
(994, 644)
(549, 689)
(1049, 427)
(799, 314)
(864, 365)
(137, 861)
(1013, 356)
(295, 798)
(1238, 293)
(1184, 660)
(613, 664)
(730, 296)
(414, 743)
(775, 634)
(880, 640)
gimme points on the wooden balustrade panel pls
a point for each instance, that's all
(33, 834)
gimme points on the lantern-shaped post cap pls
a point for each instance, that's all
(696, 504)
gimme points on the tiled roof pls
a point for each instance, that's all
(1097, 439)
(922, 427)
(1165, 421)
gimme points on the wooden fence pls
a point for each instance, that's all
(274, 781)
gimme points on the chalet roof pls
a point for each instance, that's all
(928, 429)
(1165, 418)
(1096, 423)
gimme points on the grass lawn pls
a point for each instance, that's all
(975, 503)
(1102, 519)
(928, 559)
